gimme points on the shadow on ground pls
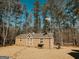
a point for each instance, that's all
(75, 54)
(4, 57)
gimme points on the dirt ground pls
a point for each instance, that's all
(19, 52)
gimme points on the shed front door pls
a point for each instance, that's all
(30, 41)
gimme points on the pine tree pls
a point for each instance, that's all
(36, 16)
(45, 9)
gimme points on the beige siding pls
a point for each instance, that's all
(34, 42)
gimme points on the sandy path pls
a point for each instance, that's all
(34, 53)
(19, 52)
(9, 50)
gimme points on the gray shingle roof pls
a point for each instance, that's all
(35, 36)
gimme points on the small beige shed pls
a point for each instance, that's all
(33, 40)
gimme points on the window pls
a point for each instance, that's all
(41, 41)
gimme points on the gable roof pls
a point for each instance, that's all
(35, 36)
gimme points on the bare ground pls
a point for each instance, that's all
(19, 52)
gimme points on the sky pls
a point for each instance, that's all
(30, 4)
(29, 7)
